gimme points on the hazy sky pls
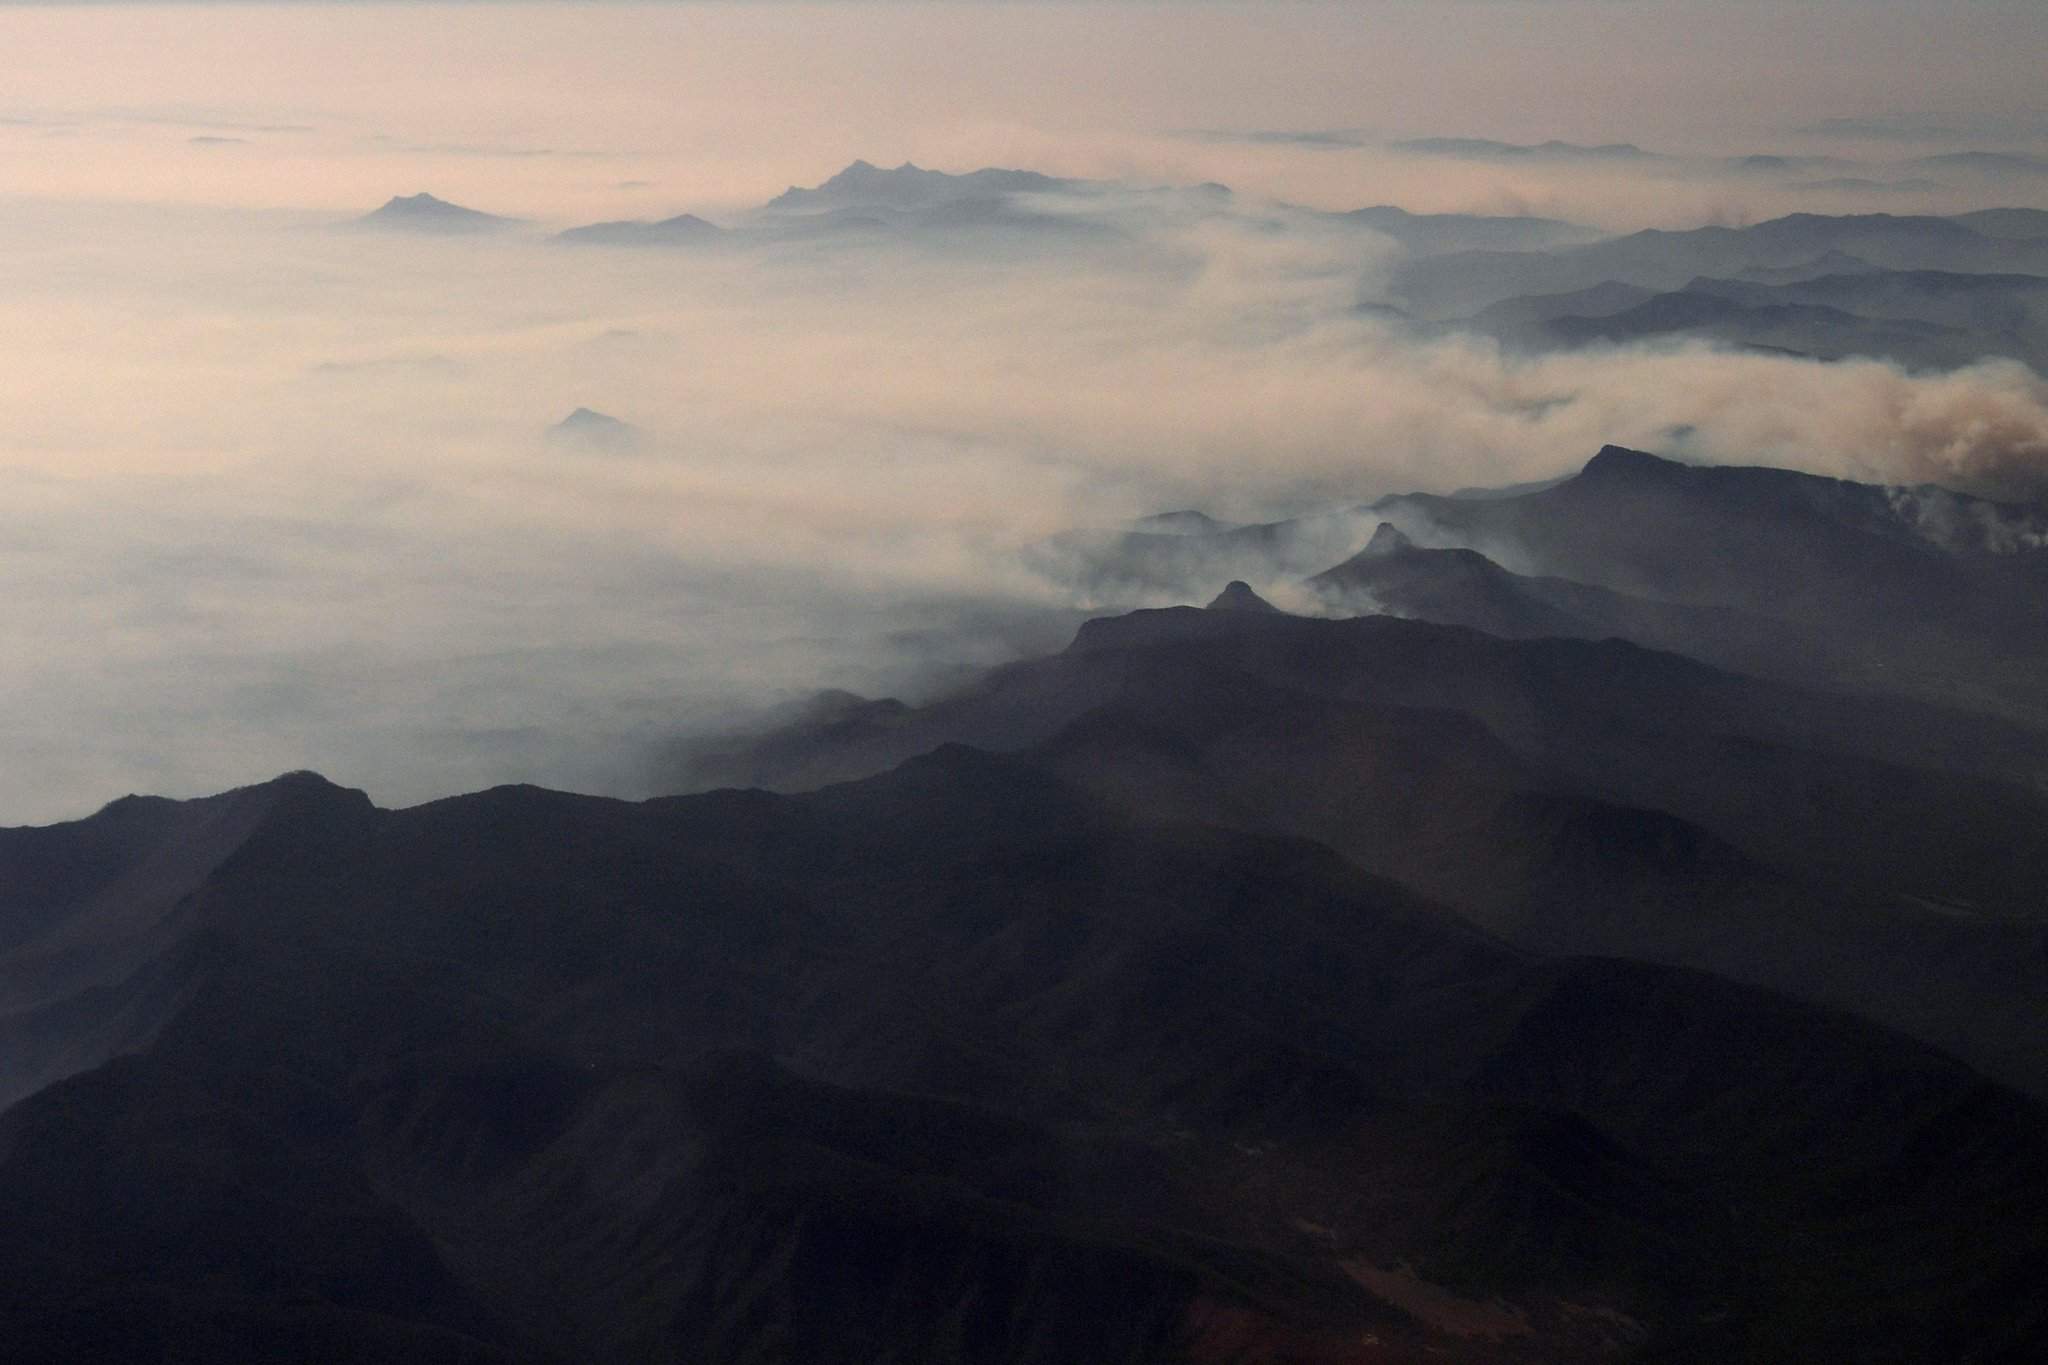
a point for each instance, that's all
(273, 495)
(547, 106)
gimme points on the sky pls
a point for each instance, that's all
(274, 494)
(718, 103)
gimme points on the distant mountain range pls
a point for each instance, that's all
(862, 185)
(1929, 293)
(1923, 319)
(1431, 234)
(1486, 149)
(1462, 283)
(1941, 292)
(685, 229)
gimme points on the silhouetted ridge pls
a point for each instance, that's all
(307, 829)
(1620, 462)
(973, 1053)
(683, 229)
(1238, 596)
(910, 186)
(1387, 541)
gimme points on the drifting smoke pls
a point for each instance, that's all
(308, 514)
(279, 496)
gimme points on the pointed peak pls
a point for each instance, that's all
(1238, 596)
(1620, 460)
(1387, 540)
(591, 429)
(425, 211)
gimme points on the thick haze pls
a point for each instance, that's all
(278, 494)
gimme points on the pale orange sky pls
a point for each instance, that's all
(545, 109)
(275, 496)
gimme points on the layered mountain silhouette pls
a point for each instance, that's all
(1597, 919)
(1799, 839)
(1460, 284)
(1916, 590)
(1927, 292)
(907, 186)
(1923, 319)
(1438, 233)
(1611, 927)
(868, 204)
(1821, 582)
(1847, 807)
(962, 1063)
(1486, 149)
(1939, 293)
(685, 229)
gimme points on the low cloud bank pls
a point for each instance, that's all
(282, 497)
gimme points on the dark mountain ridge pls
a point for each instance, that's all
(1821, 582)
(1230, 986)
(957, 1063)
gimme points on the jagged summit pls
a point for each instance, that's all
(908, 186)
(1238, 596)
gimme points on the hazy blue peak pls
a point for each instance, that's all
(423, 212)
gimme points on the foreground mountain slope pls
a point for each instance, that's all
(958, 1064)
(92, 928)
(1571, 795)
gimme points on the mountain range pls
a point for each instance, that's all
(1930, 293)
(1559, 946)
(1462, 283)
(959, 1062)
(1604, 918)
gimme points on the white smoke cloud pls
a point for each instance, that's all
(273, 496)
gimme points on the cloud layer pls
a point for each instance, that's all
(280, 496)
